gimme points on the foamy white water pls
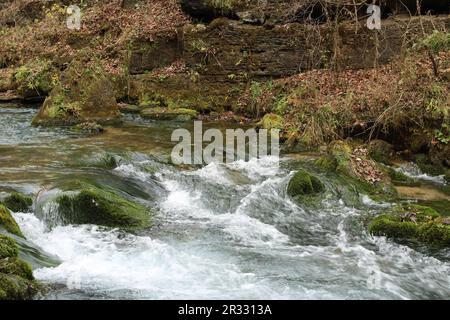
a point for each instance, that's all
(222, 240)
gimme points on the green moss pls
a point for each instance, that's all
(94, 205)
(85, 93)
(413, 222)
(13, 287)
(18, 202)
(152, 101)
(271, 121)
(442, 206)
(302, 183)
(341, 152)
(434, 233)
(17, 267)
(8, 247)
(35, 77)
(8, 222)
(16, 276)
(391, 226)
(326, 163)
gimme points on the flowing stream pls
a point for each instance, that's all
(219, 232)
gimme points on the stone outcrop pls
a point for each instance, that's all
(85, 93)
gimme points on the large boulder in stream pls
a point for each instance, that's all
(85, 93)
(303, 183)
(16, 277)
(413, 222)
(80, 202)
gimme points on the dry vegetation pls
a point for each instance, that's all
(107, 29)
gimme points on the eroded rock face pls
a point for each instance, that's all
(85, 93)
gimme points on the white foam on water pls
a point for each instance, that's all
(107, 262)
(413, 171)
(213, 172)
(184, 205)
(256, 168)
(113, 264)
(130, 170)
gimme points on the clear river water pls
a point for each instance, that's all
(219, 231)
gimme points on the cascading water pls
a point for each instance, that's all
(220, 231)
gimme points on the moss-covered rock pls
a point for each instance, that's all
(17, 267)
(35, 78)
(303, 183)
(14, 287)
(16, 276)
(8, 247)
(8, 223)
(18, 202)
(341, 152)
(175, 114)
(100, 206)
(413, 222)
(380, 151)
(85, 94)
(326, 163)
(271, 121)
(353, 165)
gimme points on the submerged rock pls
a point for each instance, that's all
(16, 276)
(18, 202)
(7, 222)
(90, 127)
(176, 114)
(412, 222)
(303, 183)
(91, 204)
(85, 94)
